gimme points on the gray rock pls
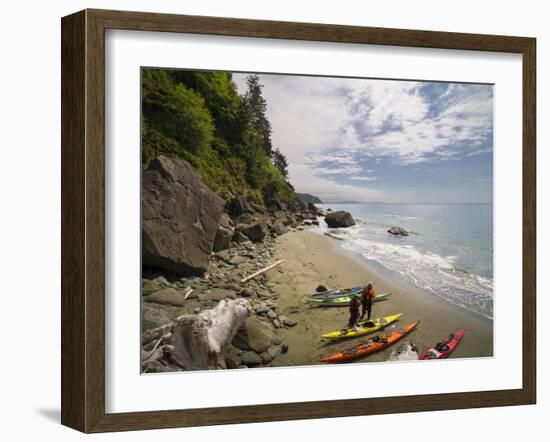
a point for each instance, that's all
(262, 308)
(224, 255)
(286, 321)
(180, 215)
(398, 231)
(271, 314)
(246, 219)
(237, 205)
(290, 221)
(153, 285)
(217, 294)
(255, 231)
(156, 315)
(270, 354)
(279, 215)
(251, 359)
(254, 335)
(167, 296)
(236, 260)
(340, 218)
(224, 234)
(276, 323)
(278, 227)
(233, 286)
(247, 292)
(239, 237)
(230, 363)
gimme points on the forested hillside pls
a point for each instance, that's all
(199, 116)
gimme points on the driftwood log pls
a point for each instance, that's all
(196, 342)
(259, 272)
(405, 352)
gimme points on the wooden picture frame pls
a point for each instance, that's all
(83, 219)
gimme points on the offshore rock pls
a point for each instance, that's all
(339, 219)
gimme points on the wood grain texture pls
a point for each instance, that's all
(529, 221)
(83, 219)
(73, 252)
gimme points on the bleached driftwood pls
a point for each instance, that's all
(405, 352)
(265, 269)
(187, 293)
(199, 340)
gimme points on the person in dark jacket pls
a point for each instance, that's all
(367, 296)
(354, 310)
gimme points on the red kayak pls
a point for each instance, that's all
(443, 348)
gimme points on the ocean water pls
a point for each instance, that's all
(449, 251)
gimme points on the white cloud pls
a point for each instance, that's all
(318, 121)
(362, 178)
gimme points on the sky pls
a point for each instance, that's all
(371, 140)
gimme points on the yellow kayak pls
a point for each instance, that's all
(363, 328)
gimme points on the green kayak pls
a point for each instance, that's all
(343, 301)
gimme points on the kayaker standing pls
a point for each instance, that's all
(367, 296)
(354, 310)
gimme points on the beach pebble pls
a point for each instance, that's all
(233, 286)
(251, 358)
(247, 293)
(262, 308)
(236, 260)
(286, 321)
(321, 288)
(167, 296)
(270, 354)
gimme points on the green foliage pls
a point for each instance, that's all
(176, 111)
(199, 116)
(280, 162)
(255, 109)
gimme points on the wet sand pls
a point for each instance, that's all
(312, 259)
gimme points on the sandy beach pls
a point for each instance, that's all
(312, 259)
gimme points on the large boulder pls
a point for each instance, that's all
(255, 231)
(400, 231)
(180, 216)
(340, 218)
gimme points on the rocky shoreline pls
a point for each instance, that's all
(197, 251)
(259, 341)
(206, 301)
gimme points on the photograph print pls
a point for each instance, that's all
(293, 220)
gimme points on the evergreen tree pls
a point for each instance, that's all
(200, 116)
(255, 107)
(280, 162)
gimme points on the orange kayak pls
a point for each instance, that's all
(372, 345)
